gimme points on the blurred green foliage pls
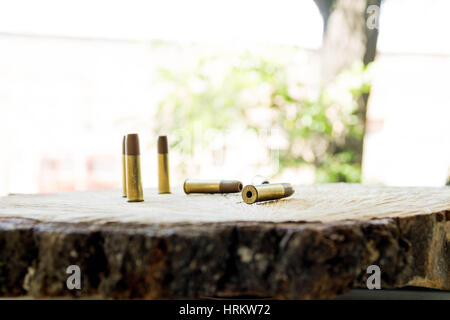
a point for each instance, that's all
(320, 126)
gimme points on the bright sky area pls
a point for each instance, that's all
(421, 25)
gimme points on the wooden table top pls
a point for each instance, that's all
(319, 203)
(316, 244)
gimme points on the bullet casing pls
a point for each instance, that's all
(212, 186)
(124, 168)
(163, 165)
(133, 163)
(134, 181)
(163, 173)
(124, 176)
(264, 192)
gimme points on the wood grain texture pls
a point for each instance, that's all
(316, 244)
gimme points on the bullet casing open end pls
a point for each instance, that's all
(212, 186)
(264, 192)
(250, 194)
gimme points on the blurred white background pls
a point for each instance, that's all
(77, 75)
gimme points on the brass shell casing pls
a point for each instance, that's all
(163, 165)
(212, 186)
(134, 180)
(263, 192)
(124, 176)
(133, 161)
(124, 168)
(163, 173)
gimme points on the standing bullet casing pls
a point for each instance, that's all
(257, 180)
(263, 192)
(212, 186)
(124, 168)
(133, 162)
(163, 165)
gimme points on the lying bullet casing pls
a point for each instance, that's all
(124, 169)
(263, 192)
(133, 162)
(257, 180)
(163, 165)
(212, 186)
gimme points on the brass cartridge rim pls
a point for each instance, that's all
(249, 194)
(184, 186)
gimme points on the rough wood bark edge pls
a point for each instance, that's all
(278, 260)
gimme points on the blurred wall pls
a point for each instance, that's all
(408, 122)
(65, 102)
(63, 106)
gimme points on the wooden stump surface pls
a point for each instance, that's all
(316, 244)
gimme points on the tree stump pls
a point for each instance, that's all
(316, 244)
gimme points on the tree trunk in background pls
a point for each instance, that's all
(346, 37)
(347, 40)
